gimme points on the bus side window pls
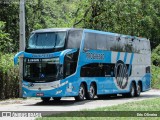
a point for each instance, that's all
(106, 70)
(74, 39)
(101, 42)
(146, 46)
(90, 41)
(70, 63)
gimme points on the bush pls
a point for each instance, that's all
(9, 77)
(156, 67)
(156, 56)
(155, 77)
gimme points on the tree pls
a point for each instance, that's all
(6, 45)
(9, 14)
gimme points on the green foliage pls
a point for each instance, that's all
(156, 56)
(156, 67)
(132, 17)
(155, 77)
(5, 41)
(9, 87)
(9, 14)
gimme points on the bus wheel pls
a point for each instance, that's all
(132, 92)
(57, 98)
(138, 91)
(92, 92)
(45, 99)
(81, 93)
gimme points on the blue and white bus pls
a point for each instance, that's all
(84, 63)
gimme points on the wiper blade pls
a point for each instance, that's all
(55, 41)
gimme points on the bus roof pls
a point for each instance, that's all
(114, 34)
(55, 29)
(87, 30)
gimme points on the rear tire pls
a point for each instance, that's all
(81, 93)
(92, 92)
(45, 99)
(138, 90)
(132, 92)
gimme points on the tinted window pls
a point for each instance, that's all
(136, 45)
(128, 45)
(90, 41)
(145, 46)
(47, 40)
(111, 43)
(101, 41)
(119, 43)
(74, 39)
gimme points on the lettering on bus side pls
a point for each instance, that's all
(95, 56)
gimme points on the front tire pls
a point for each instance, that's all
(92, 92)
(81, 93)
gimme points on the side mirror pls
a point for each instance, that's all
(16, 57)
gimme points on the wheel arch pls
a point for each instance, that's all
(134, 82)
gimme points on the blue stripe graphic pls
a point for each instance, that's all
(130, 64)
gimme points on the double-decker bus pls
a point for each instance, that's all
(84, 63)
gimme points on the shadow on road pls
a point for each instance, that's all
(59, 103)
(72, 102)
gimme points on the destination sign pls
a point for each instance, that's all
(52, 60)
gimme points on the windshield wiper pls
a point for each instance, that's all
(55, 41)
(36, 40)
(44, 41)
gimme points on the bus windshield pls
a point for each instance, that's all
(41, 70)
(47, 40)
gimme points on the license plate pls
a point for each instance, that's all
(40, 94)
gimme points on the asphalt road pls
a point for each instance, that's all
(69, 104)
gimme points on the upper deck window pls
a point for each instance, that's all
(74, 39)
(90, 41)
(47, 40)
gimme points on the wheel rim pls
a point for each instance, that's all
(92, 92)
(81, 92)
(138, 90)
(132, 91)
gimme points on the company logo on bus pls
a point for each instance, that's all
(95, 56)
(42, 55)
(121, 74)
(42, 76)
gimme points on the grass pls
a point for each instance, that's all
(151, 106)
